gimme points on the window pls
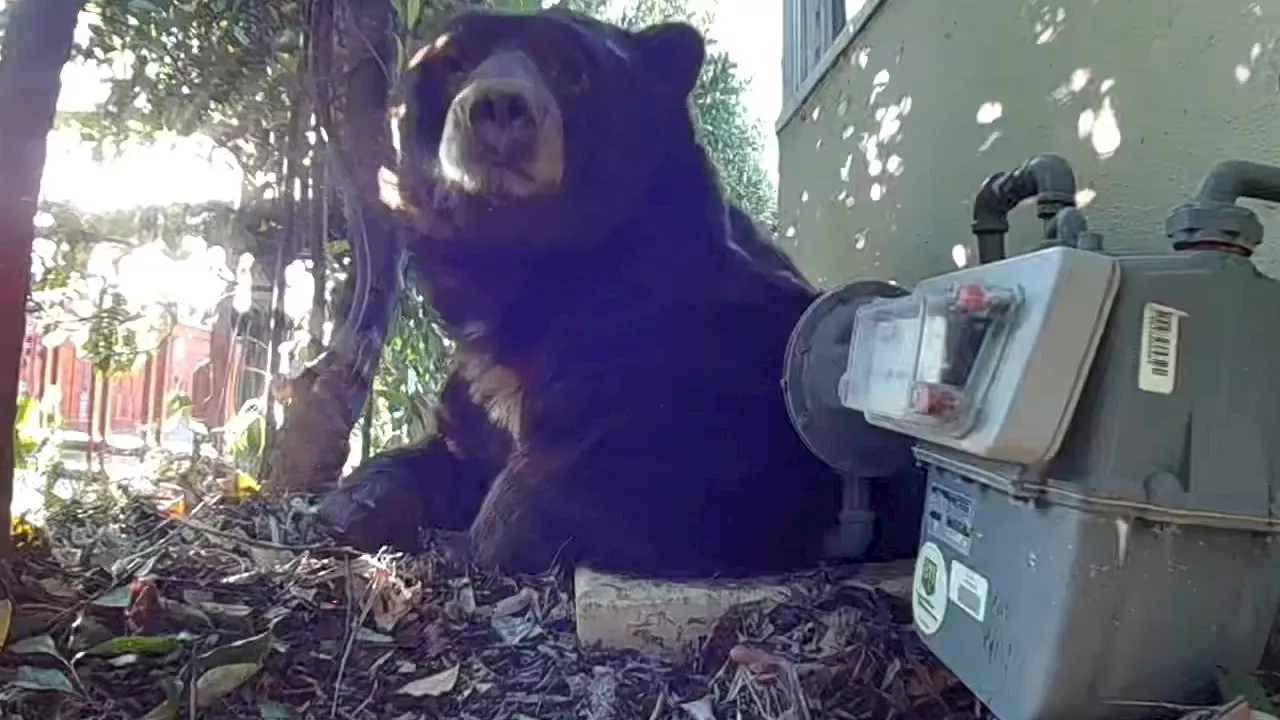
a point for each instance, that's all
(810, 26)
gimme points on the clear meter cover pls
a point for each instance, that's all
(925, 360)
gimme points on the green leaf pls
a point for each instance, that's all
(273, 711)
(413, 13)
(219, 682)
(118, 598)
(1232, 685)
(37, 678)
(142, 6)
(135, 645)
(517, 5)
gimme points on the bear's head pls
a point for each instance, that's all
(541, 129)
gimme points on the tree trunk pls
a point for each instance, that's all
(37, 45)
(319, 238)
(352, 51)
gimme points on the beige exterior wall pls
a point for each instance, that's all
(880, 160)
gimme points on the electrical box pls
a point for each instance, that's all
(1101, 437)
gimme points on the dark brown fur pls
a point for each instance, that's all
(616, 396)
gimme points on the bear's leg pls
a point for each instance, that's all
(556, 506)
(439, 484)
(516, 528)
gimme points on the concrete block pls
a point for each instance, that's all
(670, 618)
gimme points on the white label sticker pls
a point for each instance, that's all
(1158, 354)
(949, 517)
(892, 365)
(933, 349)
(968, 589)
(929, 589)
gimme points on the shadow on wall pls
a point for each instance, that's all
(879, 164)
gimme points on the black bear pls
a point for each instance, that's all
(619, 327)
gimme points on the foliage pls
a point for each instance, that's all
(245, 437)
(67, 235)
(112, 347)
(733, 139)
(115, 283)
(29, 435)
(413, 367)
(222, 68)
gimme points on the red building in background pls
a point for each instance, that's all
(202, 364)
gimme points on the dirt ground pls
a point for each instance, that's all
(227, 606)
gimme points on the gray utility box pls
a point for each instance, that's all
(1102, 443)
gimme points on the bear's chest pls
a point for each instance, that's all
(498, 388)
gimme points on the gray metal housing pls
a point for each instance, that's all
(1143, 556)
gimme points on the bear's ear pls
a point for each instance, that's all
(673, 53)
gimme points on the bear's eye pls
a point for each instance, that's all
(570, 73)
(452, 64)
(455, 70)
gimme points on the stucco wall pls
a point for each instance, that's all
(879, 164)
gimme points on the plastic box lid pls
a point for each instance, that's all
(988, 360)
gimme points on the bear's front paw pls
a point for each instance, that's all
(370, 514)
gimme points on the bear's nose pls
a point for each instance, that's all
(501, 107)
(502, 120)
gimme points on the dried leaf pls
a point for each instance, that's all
(515, 603)
(167, 710)
(57, 587)
(700, 709)
(514, 629)
(185, 614)
(248, 651)
(432, 685)
(37, 678)
(366, 635)
(269, 559)
(242, 486)
(195, 596)
(225, 611)
(393, 601)
(6, 619)
(35, 646)
(467, 600)
(216, 683)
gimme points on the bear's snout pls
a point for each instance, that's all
(503, 136)
(502, 121)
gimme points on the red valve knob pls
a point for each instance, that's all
(932, 399)
(970, 297)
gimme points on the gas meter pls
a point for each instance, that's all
(1101, 438)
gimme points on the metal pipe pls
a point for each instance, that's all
(1046, 177)
(1233, 179)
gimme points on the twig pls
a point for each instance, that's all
(265, 544)
(366, 606)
